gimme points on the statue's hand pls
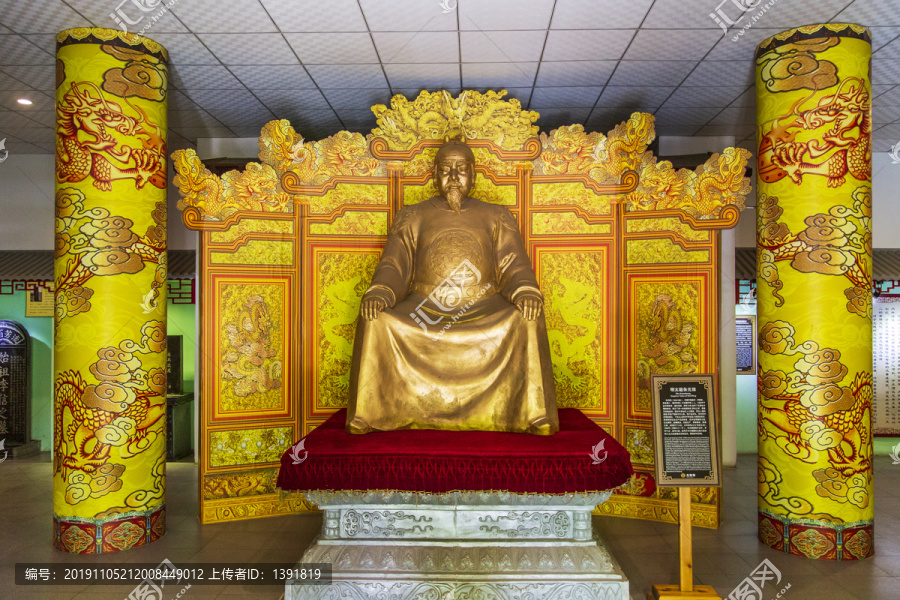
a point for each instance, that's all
(370, 307)
(531, 307)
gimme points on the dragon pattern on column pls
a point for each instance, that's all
(110, 279)
(814, 254)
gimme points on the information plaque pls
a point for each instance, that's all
(15, 383)
(685, 431)
(745, 332)
(40, 302)
(174, 366)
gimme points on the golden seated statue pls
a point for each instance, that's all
(452, 334)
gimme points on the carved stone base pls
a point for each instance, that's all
(460, 545)
(461, 590)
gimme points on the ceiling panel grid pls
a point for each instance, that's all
(235, 64)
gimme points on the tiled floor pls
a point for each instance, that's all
(646, 551)
(723, 557)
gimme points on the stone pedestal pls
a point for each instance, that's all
(25, 450)
(404, 545)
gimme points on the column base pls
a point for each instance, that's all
(821, 540)
(116, 534)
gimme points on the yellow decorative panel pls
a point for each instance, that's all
(257, 252)
(576, 193)
(575, 291)
(485, 190)
(639, 442)
(346, 194)
(236, 509)
(353, 223)
(485, 159)
(667, 225)
(413, 194)
(249, 446)
(245, 226)
(699, 495)
(667, 332)
(251, 342)
(340, 280)
(488, 191)
(658, 509)
(240, 484)
(661, 251)
(566, 223)
(423, 162)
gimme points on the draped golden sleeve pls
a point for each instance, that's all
(452, 335)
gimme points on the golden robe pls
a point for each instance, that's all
(451, 350)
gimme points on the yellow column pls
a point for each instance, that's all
(814, 278)
(110, 269)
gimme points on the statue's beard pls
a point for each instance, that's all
(454, 197)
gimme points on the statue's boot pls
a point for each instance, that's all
(541, 426)
(357, 425)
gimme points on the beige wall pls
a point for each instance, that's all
(27, 207)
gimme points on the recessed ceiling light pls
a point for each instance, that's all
(24, 101)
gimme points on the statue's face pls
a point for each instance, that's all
(454, 173)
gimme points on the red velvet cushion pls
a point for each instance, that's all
(421, 460)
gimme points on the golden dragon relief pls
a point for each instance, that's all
(98, 138)
(438, 115)
(702, 193)
(286, 157)
(258, 188)
(314, 163)
(216, 198)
